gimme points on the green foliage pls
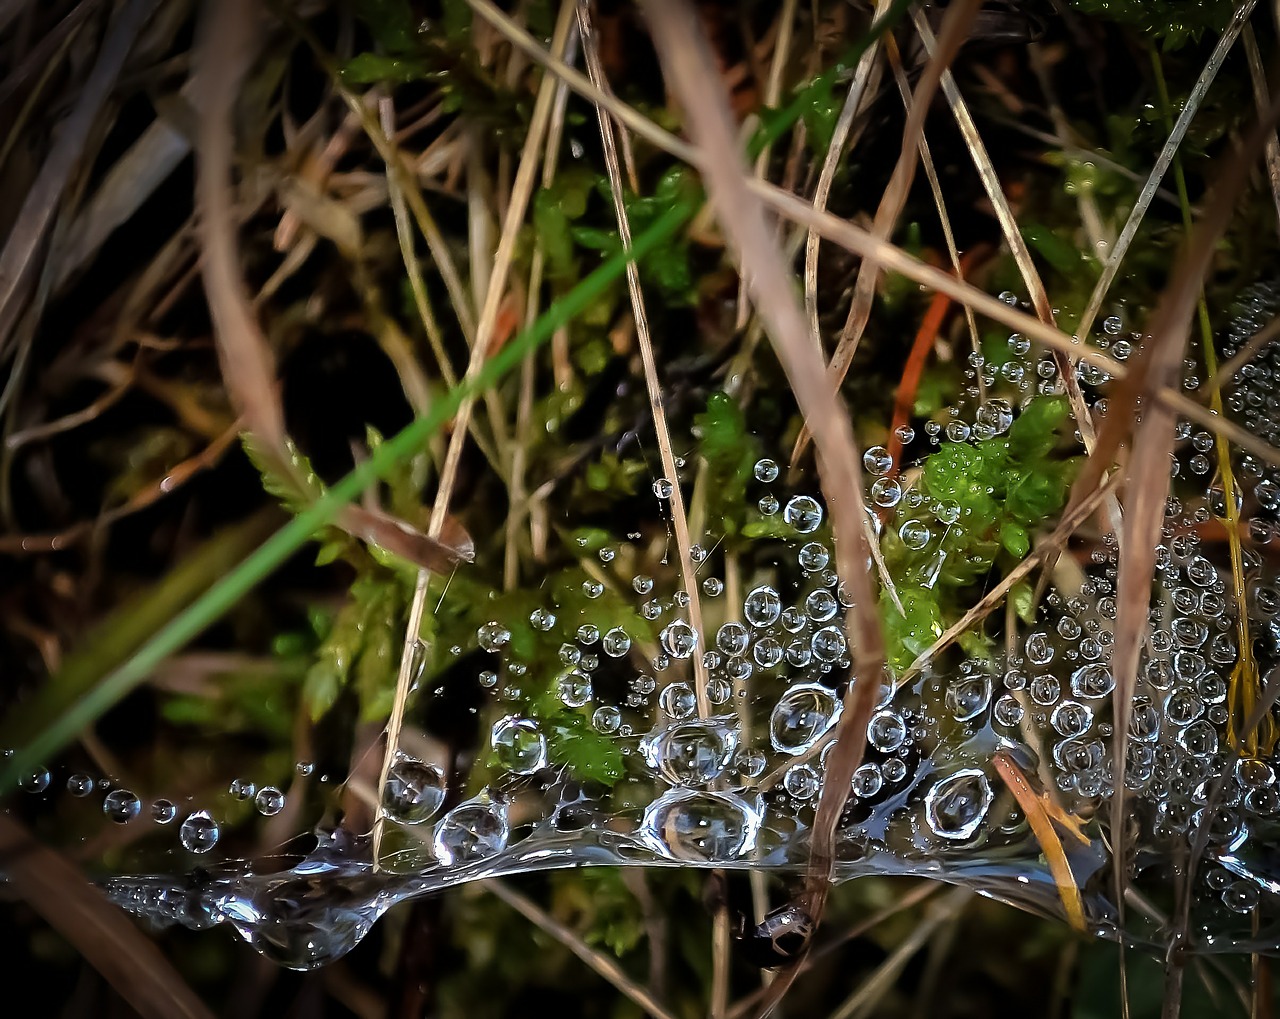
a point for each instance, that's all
(408, 49)
(1173, 22)
(596, 903)
(588, 754)
(730, 452)
(982, 502)
(667, 268)
(361, 643)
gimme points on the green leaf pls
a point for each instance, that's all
(320, 690)
(370, 68)
(1015, 540)
(588, 754)
(1022, 597)
(1060, 253)
(1034, 432)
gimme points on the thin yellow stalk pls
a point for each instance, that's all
(653, 385)
(521, 192)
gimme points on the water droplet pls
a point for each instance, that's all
(766, 471)
(662, 488)
(915, 534)
(691, 752)
(199, 832)
(761, 608)
(493, 636)
(877, 461)
(697, 826)
(79, 784)
(163, 811)
(474, 830)
(956, 805)
(733, 638)
(606, 719)
(35, 781)
(121, 806)
(679, 639)
(574, 689)
(886, 731)
(519, 745)
(269, 801)
(803, 513)
(801, 781)
(678, 700)
(616, 643)
(802, 716)
(813, 556)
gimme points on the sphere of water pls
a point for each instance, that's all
(678, 700)
(955, 806)
(761, 607)
(616, 642)
(493, 636)
(519, 745)
(886, 731)
(679, 639)
(269, 801)
(803, 513)
(699, 826)
(766, 471)
(121, 806)
(163, 811)
(692, 752)
(414, 790)
(813, 556)
(471, 831)
(199, 832)
(802, 716)
(802, 782)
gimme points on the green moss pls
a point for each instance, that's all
(982, 501)
(1173, 22)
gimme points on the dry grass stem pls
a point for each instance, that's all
(1115, 259)
(690, 73)
(956, 23)
(19, 261)
(866, 79)
(1012, 238)
(653, 385)
(522, 190)
(602, 964)
(1261, 94)
(97, 929)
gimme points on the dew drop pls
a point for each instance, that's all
(199, 832)
(121, 806)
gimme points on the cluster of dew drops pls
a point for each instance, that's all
(199, 831)
(738, 782)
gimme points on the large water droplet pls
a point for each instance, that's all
(697, 826)
(471, 831)
(762, 607)
(414, 790)
(121, 806)
(519, 745)
(802, 716)
(955, 806)
(691, 752)
(199, 832)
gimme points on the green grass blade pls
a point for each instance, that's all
(225, 593)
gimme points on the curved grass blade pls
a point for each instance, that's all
(276, 549)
